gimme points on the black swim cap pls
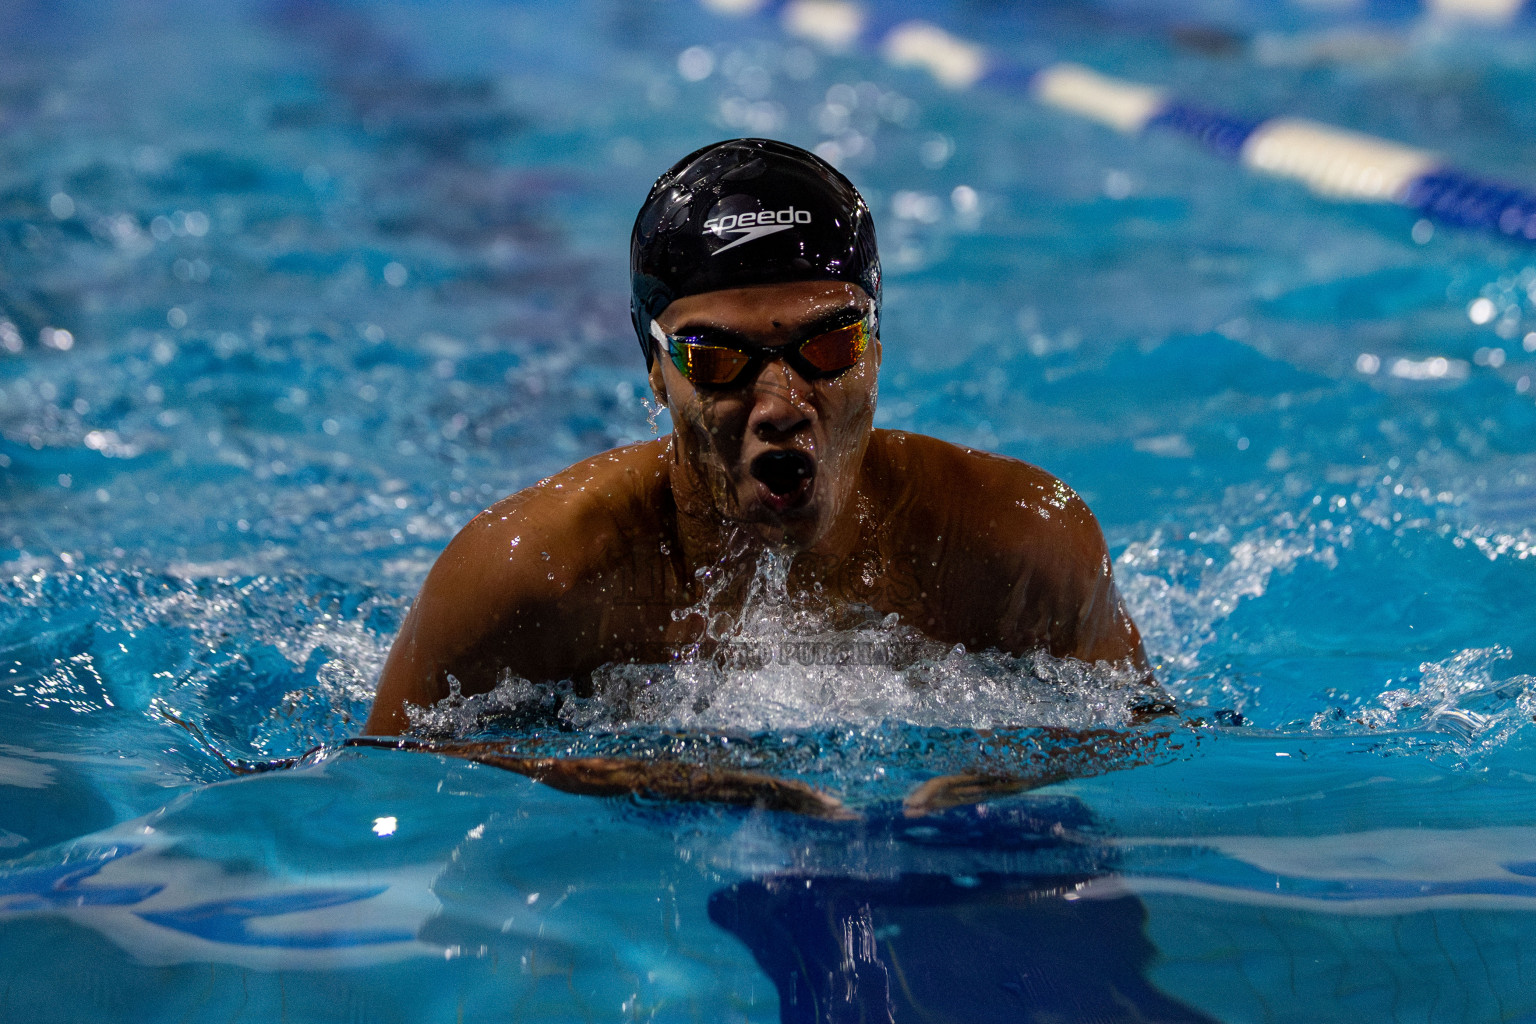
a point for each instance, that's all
(745, 212)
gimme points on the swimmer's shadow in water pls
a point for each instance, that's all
(937, 948)
(974, 914)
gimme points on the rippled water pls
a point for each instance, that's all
(289, 291)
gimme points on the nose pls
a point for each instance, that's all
(780, 403)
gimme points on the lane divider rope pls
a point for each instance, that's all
(1334, 163)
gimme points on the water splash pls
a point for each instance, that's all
(1468, 711)
(1178, 592)
(262, 666)
(782, 662)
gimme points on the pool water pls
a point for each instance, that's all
(290, 290)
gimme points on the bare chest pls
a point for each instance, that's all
(650, 607)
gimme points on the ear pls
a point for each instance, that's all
(653, 375)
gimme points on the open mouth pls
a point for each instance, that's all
(786, 474)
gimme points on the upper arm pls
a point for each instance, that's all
(514, 591)
(1061, 589)
(482, 597)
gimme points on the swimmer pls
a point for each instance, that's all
(756, 301)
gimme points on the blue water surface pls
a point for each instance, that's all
(290, 290)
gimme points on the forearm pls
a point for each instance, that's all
(1039, 757)
(663, 780)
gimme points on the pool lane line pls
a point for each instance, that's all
(1489, 13)
(1334, 163)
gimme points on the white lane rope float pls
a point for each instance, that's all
(1489, 13)
(1334, 163)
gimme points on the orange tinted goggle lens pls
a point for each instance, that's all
(709, 364)
(716, 365)
(837, 350)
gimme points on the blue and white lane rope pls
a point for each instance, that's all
(1334, 163)
(1488, 13)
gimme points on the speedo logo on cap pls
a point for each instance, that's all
(755, 224)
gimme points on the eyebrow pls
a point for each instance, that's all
(830, 320)
(833, 319)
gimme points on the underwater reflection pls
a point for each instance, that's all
(935, 945)
(935, 948)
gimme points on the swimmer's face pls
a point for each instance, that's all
(775, 451)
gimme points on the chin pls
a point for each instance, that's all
(798, 527)
(797, 535)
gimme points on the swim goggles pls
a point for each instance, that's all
(712, 360)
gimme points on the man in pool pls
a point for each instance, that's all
(756, 299)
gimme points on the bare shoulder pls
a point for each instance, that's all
(504, 594)
(985, 493)
(1015, 557)
(572, 520)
